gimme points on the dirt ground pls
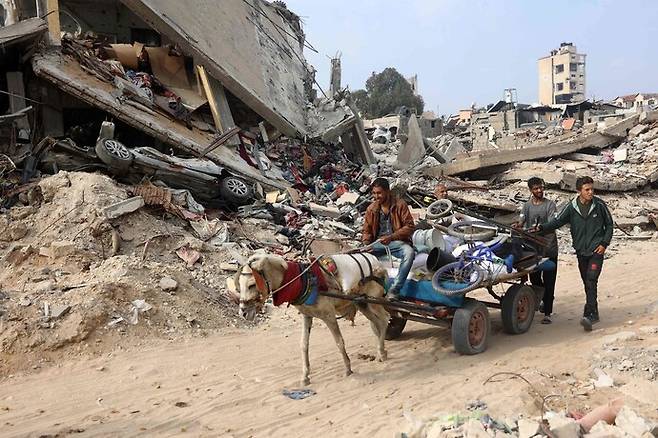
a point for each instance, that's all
(230, 382)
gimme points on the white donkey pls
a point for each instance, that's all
(361, 274)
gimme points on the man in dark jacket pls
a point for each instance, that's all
(389, 224)
(591, 232)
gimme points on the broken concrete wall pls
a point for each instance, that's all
(253, 48)
(598, 140)
(68, 77)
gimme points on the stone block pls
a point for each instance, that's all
(528, 428)
(61, 248)
(168, 284)
(321, 210)
(563, 427)
(637, 130)
(124, 207)
(631, 423)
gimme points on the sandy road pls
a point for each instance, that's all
(230, 383)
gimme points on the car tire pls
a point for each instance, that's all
(235, 190)
(113, 153)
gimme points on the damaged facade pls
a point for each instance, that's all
(222, 86)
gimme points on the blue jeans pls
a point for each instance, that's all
(402, 251)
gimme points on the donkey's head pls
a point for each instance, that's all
(256, 280)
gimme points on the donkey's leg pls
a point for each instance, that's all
(378, 323)
(332, 323)
(307, 323)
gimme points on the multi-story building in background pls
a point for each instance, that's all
(562, 76)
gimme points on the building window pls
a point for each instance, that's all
(573, 66)
(559, 68)
(559, 86)
(573, 85)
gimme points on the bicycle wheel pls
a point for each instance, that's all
(469, 230)
(457, 278)
(439, 209)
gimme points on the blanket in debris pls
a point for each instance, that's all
(301, 286)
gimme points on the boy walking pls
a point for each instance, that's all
(591, 232)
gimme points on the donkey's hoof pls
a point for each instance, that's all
(383, 357)
(305, 381)
(348, 373)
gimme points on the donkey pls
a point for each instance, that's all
(362, 274)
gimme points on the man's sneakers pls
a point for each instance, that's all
(546, 319)
(588, 322)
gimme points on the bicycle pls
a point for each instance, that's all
(474, 266)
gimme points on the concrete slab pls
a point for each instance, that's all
(414, 149)
(124, 207)
(255, 49)
(598, 140)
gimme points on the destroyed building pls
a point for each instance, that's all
(220, 84)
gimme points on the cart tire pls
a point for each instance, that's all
(518, 309)
(456, 279)
(439, 209)
(471, 327)
(395, 327)
(459, 230)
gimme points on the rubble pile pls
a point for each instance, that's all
(611, 420)
(72, 275)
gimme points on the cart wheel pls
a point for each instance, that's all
(471, 327)
(518, 309)
(395, 327)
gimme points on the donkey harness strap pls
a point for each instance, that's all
(358, 264)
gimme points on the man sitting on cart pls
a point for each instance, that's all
(388, 228)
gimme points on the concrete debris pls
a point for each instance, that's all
(631, 423)
(527, 428)
(602, 379)
(168, 284)
(57, 311)
(413, 150)
(124, 207)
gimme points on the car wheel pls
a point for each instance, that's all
(114, 154)
(236, 191)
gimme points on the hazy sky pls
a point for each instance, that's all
(467, 51)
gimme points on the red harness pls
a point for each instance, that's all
(301, 287)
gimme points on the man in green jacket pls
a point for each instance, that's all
(591, 232)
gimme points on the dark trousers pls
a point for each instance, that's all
(546, 279)
(590, 270)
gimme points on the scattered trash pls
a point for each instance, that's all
(188, 255)
(138, 306)
(298, 394)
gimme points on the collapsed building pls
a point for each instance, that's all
(220, 84)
